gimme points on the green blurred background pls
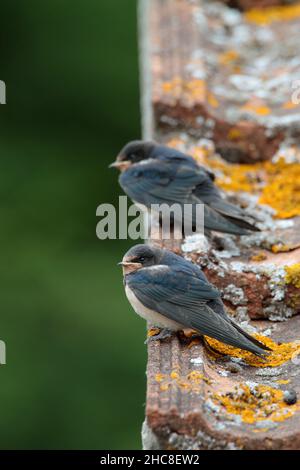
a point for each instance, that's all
(75, 372)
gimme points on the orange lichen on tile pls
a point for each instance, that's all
(282, 192)
(293, 275)
(195, 376)
(176, 143)
(280, 353)
(188, 383)
(160, 377)
(281, 248)
(164, 387)
(191, 90)
(173, 86)
(261, 256)
(153, 332)
(234, 133)
(254, 403)
(212, 100)
(174, 375)
(256, 108)
(266, 16)
(277, 183)
(237, 177)
(290, 105)
(283, 382)
(229, 57)
(230, 176)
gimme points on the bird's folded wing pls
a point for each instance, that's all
(161, 182)
(178, 295)
(158, 183)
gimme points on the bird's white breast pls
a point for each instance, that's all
(155, 318)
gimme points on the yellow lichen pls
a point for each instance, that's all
(280, 353)
(293, 275)
(283, 190)
(188, 383)
(153, 332)
(228, 57)
(282, 382)
(255, 403)
(276, 183)
(174, 375)
(290, 105)
(159, 377)
(266, 16)
(189, 91)
(234, 133)
(195, 376)
(185, 90)
(281, 248)
(164, 387)
(256, 108)
(212, 100)
(261, 256)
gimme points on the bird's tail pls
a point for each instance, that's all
(263, 349)
(233, 214)
(243, 224)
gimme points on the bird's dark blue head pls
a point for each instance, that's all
(143, 256)
(140, 256)
(133, 152)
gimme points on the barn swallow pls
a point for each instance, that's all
(173, 293)
(156, 174)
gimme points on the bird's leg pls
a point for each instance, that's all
(164, 334)
(187, 336)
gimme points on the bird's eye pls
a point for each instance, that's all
(142, 259)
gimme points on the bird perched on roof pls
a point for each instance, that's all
(156, 174)
(173, 293)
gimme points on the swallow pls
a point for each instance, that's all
(173, 294)
(156, 174)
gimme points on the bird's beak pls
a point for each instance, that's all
(120, 165)
(114, 165)
(130, 266)
(127, 263)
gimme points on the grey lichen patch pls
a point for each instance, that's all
(266, 424)
(149, 439)
(272, 276)
(288, 151)
(264, 240)
(209, 405)
(241, 314)
(262, 214)
(196, 243)
(202, 441)
(234, 295)
(276, 310)
(227, 247)
(269, 372)
(256, 50)
(234, 368)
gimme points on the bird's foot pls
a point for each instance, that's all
(162, 335)
(187, 337)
